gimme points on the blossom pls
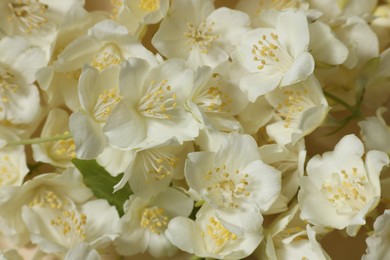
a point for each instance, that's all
(342, 9)
(215, 98)
(142, 11)
(234, 181)
(47, 193)
(19, 97)
(376, 133)
(290, 160)
(299, 110)
(378, 242)
(58, 153)
(145, 221)
(258, 9)
(341, 188)
(289, 237)
(57, 230)
(153, 106)
(197, 32)
(208, 237)
(105, 44)
(275, 56)
(12, 160)
(152, 169)
(36, 20)
(99, 95)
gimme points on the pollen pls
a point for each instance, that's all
(154, 219)
(346, 191)
(64, 148)
(218, 233)
(7, 86)
(28, 14)
(71, 224)
(159, 101)
(9, 173)
(109, 55)
(149, 5)
(200, 37)
(230, 188)
(269, 52)
(290, 109)
(158, 164)
(106, 103)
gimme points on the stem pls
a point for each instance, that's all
(40, 140)
(338, 100)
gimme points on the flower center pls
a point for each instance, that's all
(28, 14)
(212, 99)
(149, 5)
(154, 219)
(6, 87)
(105, 104)
(158, 102)
(227, 187)
(201, 37)
(64, 148)
(218, 233)
(269, 52)
(116, 7)
(158, 165)
(72, 225)
(109, 55)
(346, 191)
(48, 199)
(8, 171)
(291, 108)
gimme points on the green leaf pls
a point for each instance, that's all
(102, 183)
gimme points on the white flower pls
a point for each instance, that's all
(376, 133)
(256, 8)
(324, 45)
(57, 153)
(13, 161)
(143, 11)
(288, 237)
(99, 95)
(56, 230)
(302, 248)
(207, 237)
(234, 181)
(216, 99)
(378, 243)
(106, 43)
(145, 221)
(333, 10)
(341, 188)
(194, 31)
(152, 169)
(290, 161)
(19, 97)
(44, 193)
(275, 56)
(61, 87)
(153, 106)
(35, 20)
(299, 110)
(360, 39)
